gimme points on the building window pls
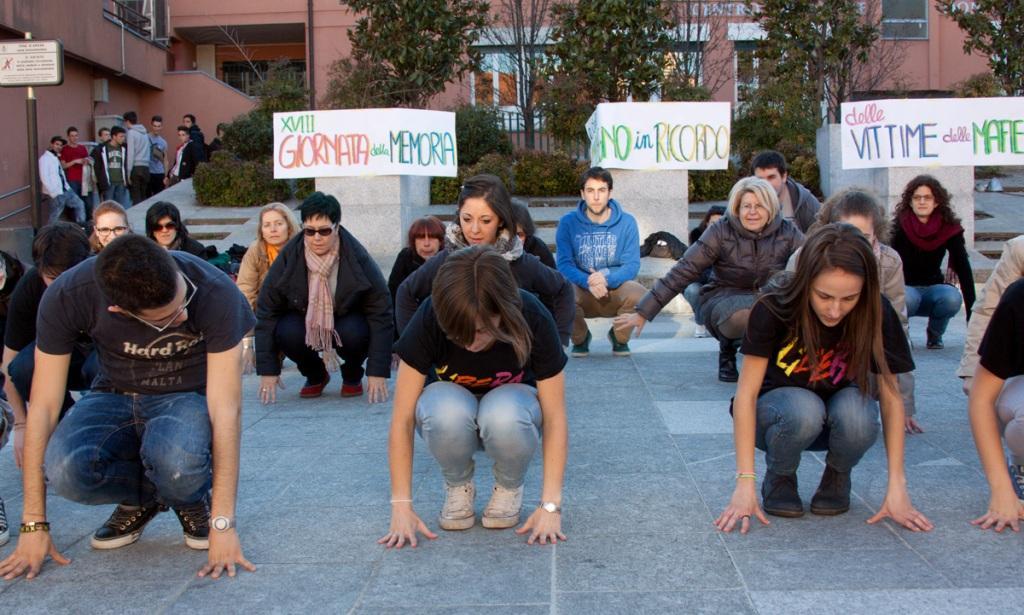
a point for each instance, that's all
(907, 19)
(241, 76)
(495, 83)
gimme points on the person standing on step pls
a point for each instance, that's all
(499, 365)
(598, 250)
(811, 345)
(324, 299)
(925, 229)
(168, 329)
(743, 250)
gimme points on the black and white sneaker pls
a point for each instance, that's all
(5, 532)
(124, 526)
(195, 522)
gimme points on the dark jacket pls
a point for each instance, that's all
(538, 248)
(196, 136)
(805, 204)
(99, 167)
(922, 268)
(191, 157)
(193, 247)
(740, 261)
(361, 289)
(550, 286)
(406, 262)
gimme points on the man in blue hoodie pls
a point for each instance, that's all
(598, 250)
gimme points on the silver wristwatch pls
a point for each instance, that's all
(551, 507)
(222, 524)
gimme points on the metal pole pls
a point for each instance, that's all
(33, 154)
(310, 55)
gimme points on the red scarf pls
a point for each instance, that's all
(927, 236)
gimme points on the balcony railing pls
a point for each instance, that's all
(146, 18)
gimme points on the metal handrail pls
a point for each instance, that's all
(15, 213)
(13, 192)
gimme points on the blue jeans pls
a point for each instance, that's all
(81, 372)
(692, 295)
(505, 423)
(791, 420)
(67, 200)
(939, 302)
(132, 449)
(290, 337)
(119, 193)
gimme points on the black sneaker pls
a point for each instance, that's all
(5, 532)
(833, 494)
(124, 526)
(583, 348)
(780, 496)
(195, 522)
(934, 342)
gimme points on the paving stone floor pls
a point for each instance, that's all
(651, 464)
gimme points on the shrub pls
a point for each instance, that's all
(444, 190)
(492, 164)
(304, 187)
(712, 185)
(226, 181)
(542, 174)
(478, 132)
(980, 85)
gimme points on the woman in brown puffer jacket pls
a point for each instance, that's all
(743, 250)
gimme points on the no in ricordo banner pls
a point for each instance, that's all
(364, 142)
(933, 132)
(654, 136)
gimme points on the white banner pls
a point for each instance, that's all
(933, 132)
(364, 142)
(655, 136)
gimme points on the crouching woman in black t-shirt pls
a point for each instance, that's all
(810, 346)
(498, 360)
(997, 405)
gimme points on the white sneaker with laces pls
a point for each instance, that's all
(457, 512)
(503, 509)
(700, 331)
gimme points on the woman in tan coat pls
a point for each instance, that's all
(277, 226)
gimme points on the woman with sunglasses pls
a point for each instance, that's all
(109, 222)
(498, 361)
(324, 299)
(485, 217)
(164, 226)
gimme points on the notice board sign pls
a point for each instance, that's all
(28, 63)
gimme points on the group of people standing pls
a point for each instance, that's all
(477, 323)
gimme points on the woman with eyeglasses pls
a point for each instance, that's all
(499, 365)
(743, 250)
(164, 226)
(109, 222)
(324, 299)
(485, 217)
(925, 230)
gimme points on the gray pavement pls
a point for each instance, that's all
(650, 466)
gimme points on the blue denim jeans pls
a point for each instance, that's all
(354, 331)
(132, 449)
(119, 193)
(67, 200)
(939, 302)
(692, 295)
(81, 372)
(791, 420)
(505, 423)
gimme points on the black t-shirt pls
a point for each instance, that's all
(134, 356)
(1002, 349)
(770, 337)
(426, 348)
(21, 313)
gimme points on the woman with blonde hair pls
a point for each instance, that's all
(743, 250)
(109, 222)
(277, 226)
(497, 357)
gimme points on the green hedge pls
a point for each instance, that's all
(527, 173)
(226, 181)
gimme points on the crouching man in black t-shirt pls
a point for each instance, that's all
(162, 423)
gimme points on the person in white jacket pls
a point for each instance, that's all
(56, 189)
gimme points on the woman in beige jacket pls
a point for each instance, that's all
(860, 208)
(277, 226)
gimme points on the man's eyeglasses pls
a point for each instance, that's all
(117, 230)
(170, 226)
(167, 322)
(323, 231)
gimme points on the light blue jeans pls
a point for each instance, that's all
(692, 295)
(1010, 409)
(939, 302)
(505, 423)
(791, 420)
(132, 449)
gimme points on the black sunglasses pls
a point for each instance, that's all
(323, 232)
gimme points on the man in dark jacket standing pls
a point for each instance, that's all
(799, 206)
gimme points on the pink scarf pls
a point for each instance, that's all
(320, 333)
(927, 236)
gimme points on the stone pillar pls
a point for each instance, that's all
(659, 200)
(888, 183)
(378, 210)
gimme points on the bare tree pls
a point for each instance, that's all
(231, 33)
(698, 35)
(884, 68)
(520, 32)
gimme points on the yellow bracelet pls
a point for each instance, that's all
(749, 475)
(34, 526)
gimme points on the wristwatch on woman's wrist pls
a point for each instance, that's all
(551, 507)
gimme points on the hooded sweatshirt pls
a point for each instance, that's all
(611, 247)
(138, 147)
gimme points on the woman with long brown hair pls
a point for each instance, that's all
(809, 348)
(925, 229)
(498, 361)
(277, 227)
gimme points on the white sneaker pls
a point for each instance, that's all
(700, 331)
(457, 513)
(503, 509)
